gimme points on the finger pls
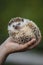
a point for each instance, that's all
(37, 42)
(30, 43)
(34, 45)
(26, 45)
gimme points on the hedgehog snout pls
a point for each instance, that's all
(16, 27)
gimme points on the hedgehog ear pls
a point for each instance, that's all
(10, 23)
(22, 20)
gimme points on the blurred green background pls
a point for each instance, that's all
(31, 9)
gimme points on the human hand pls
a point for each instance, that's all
(12, 47)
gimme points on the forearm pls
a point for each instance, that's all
(3, 54)
(4, 50)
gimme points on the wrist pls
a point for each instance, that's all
(3, 50)
(3, 54)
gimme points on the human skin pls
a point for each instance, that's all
(9, 46)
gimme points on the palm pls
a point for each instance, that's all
(15, 47)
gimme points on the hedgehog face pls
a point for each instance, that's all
(16, 24)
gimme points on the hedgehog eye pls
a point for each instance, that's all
(13, 25)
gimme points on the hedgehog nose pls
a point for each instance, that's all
(16, 27)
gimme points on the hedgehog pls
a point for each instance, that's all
(23, 30)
